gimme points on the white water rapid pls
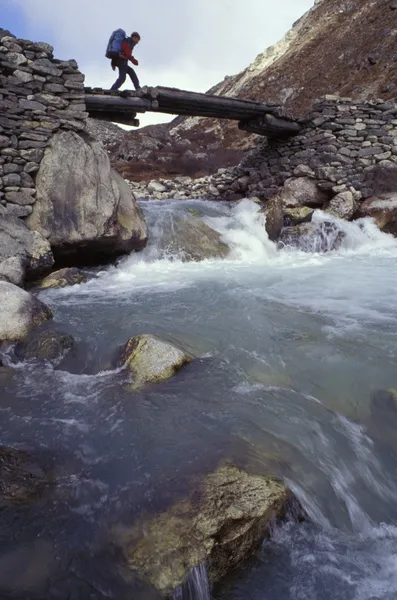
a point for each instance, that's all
(293, 348)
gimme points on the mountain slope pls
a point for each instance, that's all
(345, 47)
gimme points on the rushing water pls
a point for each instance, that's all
(291, 348)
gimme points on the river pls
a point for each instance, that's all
(291, 347)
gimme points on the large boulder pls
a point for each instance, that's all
(312, 237)
(20, 313)
(83, 207)
(383, 210)
(191, 239)
(63, 278)
(150, 359)
(302, 191)
(222, 524)
(22, 252)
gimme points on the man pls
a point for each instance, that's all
(122, 62)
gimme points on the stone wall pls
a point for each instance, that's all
(39, 95)
(342, 147)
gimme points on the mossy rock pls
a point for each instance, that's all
(22, 480)
(222, 523)
(44, 343)
(63, 278)
(302, 214)
(150, 359)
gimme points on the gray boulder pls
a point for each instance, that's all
(20, 312)
(83, 207)
(342, 205)
(383, 210)
(150, 359)
(22, 252)
(302, 191)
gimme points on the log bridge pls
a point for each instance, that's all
(252, 116)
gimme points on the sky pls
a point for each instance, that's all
(189, 44)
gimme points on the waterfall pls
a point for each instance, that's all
(196, 587)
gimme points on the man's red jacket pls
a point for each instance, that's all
(126, 52)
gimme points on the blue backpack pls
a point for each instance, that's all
(113, 49)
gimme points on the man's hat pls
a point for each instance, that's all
(135, 34)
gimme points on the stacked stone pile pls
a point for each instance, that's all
(38, 96)
(341, 145)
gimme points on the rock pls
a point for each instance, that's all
(273, 211)
(22, 480)
(312, 237)
(63, 277)
(302, 191)
(20, 312)
(303, 171)
(221, 524)
(193, 240)
(15, 210)
(302, 214)
(22, 252)
(383, 210)
(156, 187)
(342, 205)
(83, 207)
(150, 359)
(384, 403)
(44, 343)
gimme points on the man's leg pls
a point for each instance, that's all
(134, 77)
(122, 67)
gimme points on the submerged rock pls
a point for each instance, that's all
(83, 207)
(150, 359)
(383, 210)
(302, 191)
(20, 312)
(222, 524)
(22, 480)
(312, 237)
(63, 278)
(44, 343)
(193, 240)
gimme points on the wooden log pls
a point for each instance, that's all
(271, 126)
(197, 98)
(121, 118)
(116, 104)
(148, 92)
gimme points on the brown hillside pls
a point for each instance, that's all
(345, 47)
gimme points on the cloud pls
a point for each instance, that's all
(191, 44)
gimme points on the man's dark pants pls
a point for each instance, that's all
(124, 70)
